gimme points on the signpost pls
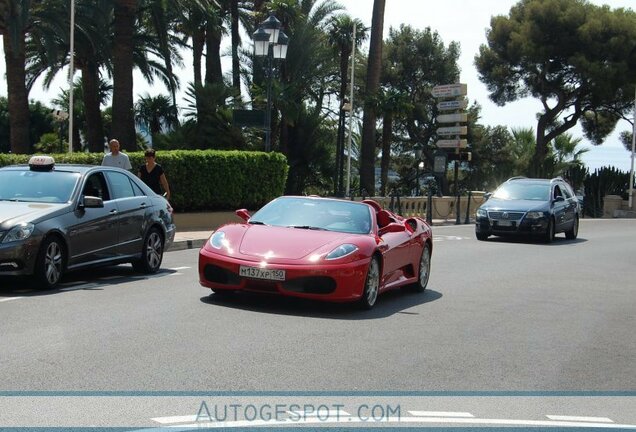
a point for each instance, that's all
(452, 134)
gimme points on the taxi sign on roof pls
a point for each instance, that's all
(41, 163)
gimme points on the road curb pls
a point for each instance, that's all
(186, 244)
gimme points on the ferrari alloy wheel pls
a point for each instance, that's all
(574, 231)
(424, 270)
(50, 263)
(371, 285)
(151, 254)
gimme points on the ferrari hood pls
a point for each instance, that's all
(286, 243)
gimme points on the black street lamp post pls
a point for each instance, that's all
(270, 42)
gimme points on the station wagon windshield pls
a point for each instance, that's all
(37, 186)
(523, 191)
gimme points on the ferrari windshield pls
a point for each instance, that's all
(37, 186)
(517, 190)
(315, 214)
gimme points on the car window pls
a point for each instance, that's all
(557, 192)
(96, 186)
(122, 187)
(137, 189)
(565, 190)
(34, 186)
(523, 191)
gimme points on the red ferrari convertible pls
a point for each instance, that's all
(318, 248)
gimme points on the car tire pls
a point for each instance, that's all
(482, 236)
(371, 285)
(49, 265)
(151, 253)
(574, 231)
(424, 270)
(549, 232)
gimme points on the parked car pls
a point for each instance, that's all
(55, 218)
(528, 206)
(318, 248)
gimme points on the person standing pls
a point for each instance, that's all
(116, 158)
(153, 175)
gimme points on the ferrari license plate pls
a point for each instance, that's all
(262, 273)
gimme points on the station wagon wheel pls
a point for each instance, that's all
(371, 285)
(151, 253)
(50, 263)
(424, 269)
(574, 231)
(549, 232)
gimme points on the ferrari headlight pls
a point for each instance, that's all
(19, 232)
(218, 240)
(341, 251)
(482, 213)
(534, 215)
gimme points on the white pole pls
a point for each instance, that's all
(353, 59)
(631, 171)
(71, 72)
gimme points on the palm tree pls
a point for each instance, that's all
(156, 114)
(522, 148)
(367, 162)
(341, 40)
(391, 103)
(123, 60)
(15, 20)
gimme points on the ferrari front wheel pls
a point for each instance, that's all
(371, 285)
(424, 269)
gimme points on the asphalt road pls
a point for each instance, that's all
(498, 316)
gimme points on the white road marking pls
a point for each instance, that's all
(178, 268)
(9, 299)
(176, 274)
(440, 414)
(580, 418)
(175, 419)
(349, 420)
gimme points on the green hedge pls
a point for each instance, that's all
(203, 179)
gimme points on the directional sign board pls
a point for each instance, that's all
(452, 130)
(452, 105)
(452, 143)
(450, 90)
(452, 118)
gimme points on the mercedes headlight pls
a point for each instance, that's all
(19, 232)
(341, 251)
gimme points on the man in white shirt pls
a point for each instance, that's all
(116, 158)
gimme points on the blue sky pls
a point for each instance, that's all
(464, 21)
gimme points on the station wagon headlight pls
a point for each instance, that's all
(218, 240)
(482, 213)
(341, 251)
(19, 232)
(534, 215)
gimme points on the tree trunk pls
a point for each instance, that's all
(367, 156)
(236, 65)
(387, 135)
(540, 151)
(198, 42)
(94, 126)
(213, 72)
(123, 127)
(18, 95)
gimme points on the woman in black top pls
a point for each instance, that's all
(152, 174)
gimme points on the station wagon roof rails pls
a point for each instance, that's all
(517, 178)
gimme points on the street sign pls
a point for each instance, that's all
(452, 143)
(452, 118)
(452, 130)
(452, 105)
(450, 90)
(463, 156)
(439, 164)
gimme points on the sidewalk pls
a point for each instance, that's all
(195, 239)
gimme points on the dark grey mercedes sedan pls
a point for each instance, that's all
(56, 218)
